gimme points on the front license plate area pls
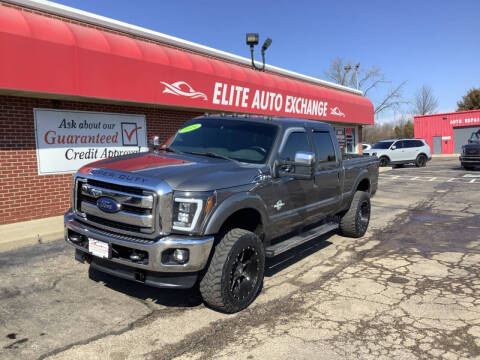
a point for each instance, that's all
(98, 248)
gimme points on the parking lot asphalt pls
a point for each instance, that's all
(409, 289)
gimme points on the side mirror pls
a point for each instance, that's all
(153, 142)
(393, 147)
(304, 158)
(301, 168)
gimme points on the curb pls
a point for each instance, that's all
(27, 233)
(445, 156)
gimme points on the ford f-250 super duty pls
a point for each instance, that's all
(207, 208)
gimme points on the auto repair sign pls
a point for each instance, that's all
(67, 140)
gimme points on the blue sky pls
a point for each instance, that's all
(421, 42)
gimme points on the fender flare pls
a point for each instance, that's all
(360, 177)
(231, 205)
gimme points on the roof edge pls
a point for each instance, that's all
(102, 21)
(447, 113)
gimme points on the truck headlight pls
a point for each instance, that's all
(186, 213)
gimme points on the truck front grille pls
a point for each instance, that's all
(136, 213)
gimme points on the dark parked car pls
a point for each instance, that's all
(208, 208)
(471, 152)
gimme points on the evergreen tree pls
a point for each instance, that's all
(471, 101)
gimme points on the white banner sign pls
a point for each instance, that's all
(67, 140)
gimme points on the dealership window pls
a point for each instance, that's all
(347, 139)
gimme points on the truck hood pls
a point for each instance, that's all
(472, 149)
(182, 172)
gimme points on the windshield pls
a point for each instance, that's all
(382, 145)
(243, 141)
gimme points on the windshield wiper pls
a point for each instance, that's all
(214, 155)
(169, 149)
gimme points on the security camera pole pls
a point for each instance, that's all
(252, 40)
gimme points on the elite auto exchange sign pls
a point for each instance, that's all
(235, 97)
(67, 140)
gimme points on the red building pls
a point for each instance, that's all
(76, 87)
(446, 133)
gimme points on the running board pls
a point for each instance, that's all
(285, 245)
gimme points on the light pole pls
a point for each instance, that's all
(356, 74)
(348, 68)
(252, 40)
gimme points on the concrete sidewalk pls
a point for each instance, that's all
(25, 233)
(445, 155)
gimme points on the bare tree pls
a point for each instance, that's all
(424, 102)
(369, 79)
(379, 131)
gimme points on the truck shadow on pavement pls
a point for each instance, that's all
(292, 256)
(191, 297)
(166, 297)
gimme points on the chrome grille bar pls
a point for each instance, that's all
(141, 201)
(137, 213)
(121, 216)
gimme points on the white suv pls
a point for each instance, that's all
(401, 151)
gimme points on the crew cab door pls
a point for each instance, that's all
(327, 175)
(289, 201)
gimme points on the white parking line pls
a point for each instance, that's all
(429, 178)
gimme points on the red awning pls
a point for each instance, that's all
(48, 55)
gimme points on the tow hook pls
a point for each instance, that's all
(139, 275)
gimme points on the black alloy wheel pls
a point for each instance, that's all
(244, 274)
(421, 161)
(235, 273)
(363, 215)
(383, 161)
(354, 223)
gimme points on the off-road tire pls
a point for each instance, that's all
(353, 223)
(216, 285)
(421, 161)
(383, 161)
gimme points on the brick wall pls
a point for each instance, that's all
(24, 195)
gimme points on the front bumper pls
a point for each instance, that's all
(199, 248)
(473, 160)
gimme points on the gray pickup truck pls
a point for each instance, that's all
(470, 156)
(209, 206)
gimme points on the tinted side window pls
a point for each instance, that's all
(409, 144)
(297, 141)
(412, 143)
(324, 146)
(399, 145)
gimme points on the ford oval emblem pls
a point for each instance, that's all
(108, 205)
